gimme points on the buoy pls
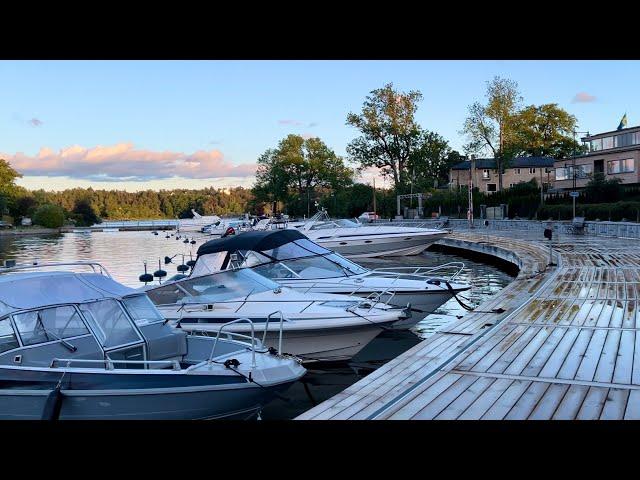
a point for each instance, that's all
(191, 262)
(186, 240)
(159, 274)
(167, 260)
(145, 277)
(193, 242)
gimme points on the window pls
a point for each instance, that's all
(566, 173)
(532, 170)
(620, 166)
(596, 145)
(485, 174)
(49, 325)
(142, 310)
(511, 185)
(607, 143)
(112, 326)
(491, 187)
(8, 339)
(517, 171)
(547, 170)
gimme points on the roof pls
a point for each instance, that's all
(595, 136)
(254, 240)
(518, 162)
(20, 291)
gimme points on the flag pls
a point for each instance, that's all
(623, 122)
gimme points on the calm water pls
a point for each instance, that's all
(123, 253)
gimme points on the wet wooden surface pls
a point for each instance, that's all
(566, 347)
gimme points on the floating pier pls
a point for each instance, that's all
(566, 346)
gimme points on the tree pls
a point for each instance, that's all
(84, 213)
(603, 190)
(49, 216)
(299, 166)
(389, 132)
(545, 130)
(430, 161)
(490, 127)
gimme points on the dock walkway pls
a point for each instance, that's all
(566, 347)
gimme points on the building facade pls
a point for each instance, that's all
(520, 169)
(616, 154)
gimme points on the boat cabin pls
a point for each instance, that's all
(82, 316)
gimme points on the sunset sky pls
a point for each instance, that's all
(190, 124)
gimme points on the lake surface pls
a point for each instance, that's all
(123, 254)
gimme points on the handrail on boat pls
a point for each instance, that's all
(458, 267)
(266, 325)
(108, 362)
(253, 337)
(94, 265)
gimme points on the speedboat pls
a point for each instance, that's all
(79, 345)
(196, 223)
(292, 260)
(355, 240)
(316, 326)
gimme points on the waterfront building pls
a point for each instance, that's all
(615, 154)
(519, 169)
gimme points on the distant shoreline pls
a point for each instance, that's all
(28, 231)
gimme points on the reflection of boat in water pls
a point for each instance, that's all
(82, 346)
(292, 260)
(316, 326)
(355, 240)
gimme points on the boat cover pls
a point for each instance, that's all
(19, 291)
(258, 241)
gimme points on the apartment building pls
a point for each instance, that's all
(520, 169)
(616, 154)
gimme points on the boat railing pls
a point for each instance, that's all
(109, 363)
(253, 339)
(95, 266)
(373, 299)
(266, 326)
(448, 271)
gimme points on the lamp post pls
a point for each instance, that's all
(471, 172)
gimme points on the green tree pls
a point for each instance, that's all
(545, 130)
(84, 213)
(49, 216)
(299, 166)
(430, 161)
(389, 132)
(603, 190)
(490, 127)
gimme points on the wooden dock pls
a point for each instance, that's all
(566, 347)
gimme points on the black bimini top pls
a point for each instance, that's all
(258, 241)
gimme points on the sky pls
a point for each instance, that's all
(136, 125)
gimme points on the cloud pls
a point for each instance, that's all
(583, 97)
(35, 122)
(298, 123)
(307, 136)
(290, 122)
(122, 162)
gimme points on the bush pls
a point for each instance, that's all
(49, 216)
(603, 211)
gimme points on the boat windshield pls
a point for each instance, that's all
(317, 266)
(340, 223)
(221, 286)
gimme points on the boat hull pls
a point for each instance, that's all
(359, 247)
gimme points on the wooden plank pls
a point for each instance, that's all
(571, 403)
(460, 405)
(608, 357)
(407, 411)
(487, 399)
(593, 403)
(624, 363)
(528, 401)
(506, 401)
(549, 402)
(615, 404)
(559, 354)
(578, 354)
(442, 401)
(632, 411)
(542, 355)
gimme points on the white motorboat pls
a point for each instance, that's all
(196, 223)
(292, 260)
(355, 240)
(316, 326)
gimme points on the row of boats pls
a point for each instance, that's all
(219, 341)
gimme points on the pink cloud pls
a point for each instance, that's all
(583, 97)
(35, 122)
(123, 162)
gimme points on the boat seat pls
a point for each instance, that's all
(164, 342)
